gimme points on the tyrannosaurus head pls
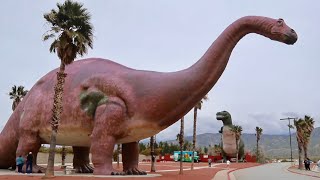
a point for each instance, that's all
(225, 117)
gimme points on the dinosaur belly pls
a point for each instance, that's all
(229, 142)
(69, 137)
(138, 130)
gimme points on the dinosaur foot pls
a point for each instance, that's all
(134, 171)
(117, 173)
(84, 168)
(38, 169)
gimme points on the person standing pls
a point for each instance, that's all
(228, 163)
(29, 163)
(308, 164)
(305, 162)
(20, 163)
(318, 165)
(209, 161)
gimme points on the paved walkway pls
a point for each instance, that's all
(273, 171)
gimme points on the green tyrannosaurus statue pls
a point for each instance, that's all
(228, 137)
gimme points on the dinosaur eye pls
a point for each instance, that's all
(280, 21)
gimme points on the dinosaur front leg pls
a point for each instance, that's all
(106, 127)
(29, 142)
(130, 158)
(81, 160)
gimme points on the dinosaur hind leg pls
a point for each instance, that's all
(107, 122)
(130, 156)
(81, 160)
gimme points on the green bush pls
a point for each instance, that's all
(58, 150)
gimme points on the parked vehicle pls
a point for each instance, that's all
(186, 156)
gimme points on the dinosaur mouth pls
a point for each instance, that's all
(290, 39)
(219, 117)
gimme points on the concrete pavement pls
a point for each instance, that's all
(272, 171)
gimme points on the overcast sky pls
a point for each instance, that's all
(263, 82)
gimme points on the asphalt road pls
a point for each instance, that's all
(272, 171)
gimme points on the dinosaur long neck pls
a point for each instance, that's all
(202, 76)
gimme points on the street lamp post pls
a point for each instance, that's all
(288, 118)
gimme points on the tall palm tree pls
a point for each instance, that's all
(181, 141)
(300, 124)
(153, 169)
(118, 155)
(258, 135)
(72, 33)
(309, 122)
(195, 113)
(17, 94)
(237, 130)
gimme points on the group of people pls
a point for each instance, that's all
(20, 161)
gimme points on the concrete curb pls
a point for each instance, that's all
(292, 171)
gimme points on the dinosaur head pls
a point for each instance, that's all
(225, 117)
(281, 32)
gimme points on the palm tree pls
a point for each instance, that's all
(118, 155)
(300, 124)
(180, 137)
(17, 95)
(72, 33)
(258, 135)
(309, 122)
(195, 112)
(237, 130)
(153, 169)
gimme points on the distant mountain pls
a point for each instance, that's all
(272, 145)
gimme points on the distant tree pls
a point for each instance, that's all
(300, 124)
(142, 147)
(17, 94)
(180, 137)
(187, 146)
(118, 155)
(217, 149)
(308, 128)
(152, 142)
(237, 130)
(195, 113)
(205, 150)
(258, 136)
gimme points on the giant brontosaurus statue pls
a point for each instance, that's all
(229, 149)
(106, 103)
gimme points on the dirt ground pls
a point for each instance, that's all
(201, 172)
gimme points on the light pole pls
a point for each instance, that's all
(290, 126)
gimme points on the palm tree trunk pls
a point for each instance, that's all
(257, 154)
(194, 135)
(118, 156)
(181, 139)
(305, 150)
(57, 110)
(300, 155)
(63, 155)
(153, 169)
(237, 149)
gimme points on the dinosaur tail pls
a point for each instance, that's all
(9, 141)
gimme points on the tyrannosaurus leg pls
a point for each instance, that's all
(81, 160)
(130, 158)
